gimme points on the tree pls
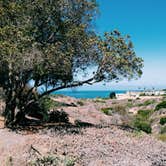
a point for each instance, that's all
(51, 42)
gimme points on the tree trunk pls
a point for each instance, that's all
(10, 113)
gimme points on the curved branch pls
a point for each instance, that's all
(68, 86)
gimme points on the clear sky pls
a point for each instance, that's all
(145, 22)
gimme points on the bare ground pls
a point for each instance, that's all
(86, 146)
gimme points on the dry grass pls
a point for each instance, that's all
(162, 137)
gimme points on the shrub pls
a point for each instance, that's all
(163, 130)
(142, 125)
(129, 105)
(80, 103)
(106, 111)
(46, 160)
(41, 108)
(142, 94)
(46, 103)
(99, 101)
(144, 114)
(162, 137)
(52, 161)
(163, 120)
(69, 162)
(146, 103)
(58, 116)
(36, 110)
(160, 105)
(119, 108)
(112, 95)
(141, 121)
(130, 100)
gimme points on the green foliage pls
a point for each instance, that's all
(46, 160)
(162, 137)
(58, 116)
(142, 94)
(142, 125)
(163, 120)
(99, 101)
(144, 114)
(112, 95)
(120, 108)
(107, 111)
(146, 103)
(50, 42)
(163, 130)
(37, 110)
(129, 104)
(141, 121)
(160, 105)
(52, 161)
(80, 103)
(130, 100)
(46, 103)
(69, 162)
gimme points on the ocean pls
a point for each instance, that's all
(89, 94)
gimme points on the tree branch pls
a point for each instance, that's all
(68, 86)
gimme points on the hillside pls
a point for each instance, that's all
(95, 136)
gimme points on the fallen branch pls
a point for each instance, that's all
(35, 150)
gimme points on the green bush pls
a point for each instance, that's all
(106, 111)
(160, 105)
(146, 103)
(163, 120)
(142, 94)
(129, 104)
(40, 108)
(80, 103)
(46, 103)
(36, 110)
(130, 100)
(162, 137)
(99, 101)
(46, 160)
(142, 125)
(120, 108)
(144, 114)
(52, 161)
(58, 116)
(163, 130)
(141, 121)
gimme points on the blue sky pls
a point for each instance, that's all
(145, 22)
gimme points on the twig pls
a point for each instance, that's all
(36, 150)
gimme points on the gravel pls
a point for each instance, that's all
(89, 147)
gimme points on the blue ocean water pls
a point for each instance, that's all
(89, 94)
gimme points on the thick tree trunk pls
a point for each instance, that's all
(10, 113)
(18, 105)
(14, 115)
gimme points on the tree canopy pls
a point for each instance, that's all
(51, 42)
